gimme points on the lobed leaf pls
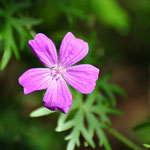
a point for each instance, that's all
(41, 111)
(5, 58)
(118, 90)
(28, 22)
(12, 22)
(14, 7)
(146, 145)
(142, 126)
(87, 117)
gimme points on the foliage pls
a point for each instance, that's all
(142, 131)
(146, 145)
(85, 113)
(110, 13)
(42, 111)
(110, 89)
(10, 24)
(18, 26)
(88, 115)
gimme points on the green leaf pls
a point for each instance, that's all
(110, 90)
(88, 115)
(21, 31)
(142, 126)
(28, 22)
(7, 34)
(110, 94)
(5, 58)
(12, 43)
(105, 78)
(94, 124)
(109, 12)
(90, 99)
(2, 13)
(118, 90)
(61, 125)
(7, 47)
(146, 145)
(18, 6)
(42, 111)
(85, 134)
(103, 139)
(73, 11)
(74, 136)
(114, 111)
(71, 145)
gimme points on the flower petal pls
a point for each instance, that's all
(58, 96)
(82, 77)
(44, 49)
(35, 79)
(72, 50)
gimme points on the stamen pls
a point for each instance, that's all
(57, 72)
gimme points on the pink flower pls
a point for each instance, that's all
(60, 70)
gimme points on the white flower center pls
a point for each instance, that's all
(57, 72)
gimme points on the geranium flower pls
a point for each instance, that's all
(60, 70)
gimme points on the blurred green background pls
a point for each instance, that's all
(118, 34)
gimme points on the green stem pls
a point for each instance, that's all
(123, 139)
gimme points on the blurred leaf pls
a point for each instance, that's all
(7, 46)
(142, 126)
(28, 22)
(146, 145)
(5, 58)
(110, 89)
(74, 11)
(12, 42)
(142, 132)
(118, 90)
(42, 111)
(110, 94)
(105, 78)
(110, 13)
(13, 23)
(2, 13)
(21, 31)
(14, 7)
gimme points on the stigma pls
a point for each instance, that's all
(57, 72)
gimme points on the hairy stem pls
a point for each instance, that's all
(123, 139)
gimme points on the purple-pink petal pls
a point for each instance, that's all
(35, 79)
(82, 77)
(58, 96)
(72, 50)
(44, 49)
